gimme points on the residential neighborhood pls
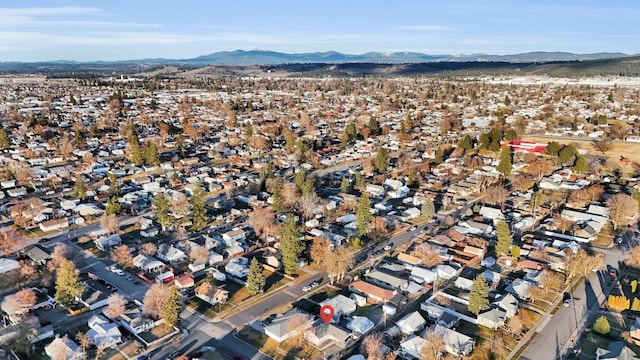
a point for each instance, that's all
(479, 218)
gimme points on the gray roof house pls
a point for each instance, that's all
(492, 318)
(278, 329)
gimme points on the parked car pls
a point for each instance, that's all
(44, 240)
(119, 272)
(612, 271)
(129, 277)
(388, 247)
(413, 228)
(310, 286)
(566, 299)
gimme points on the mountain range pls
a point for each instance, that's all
(266, 57)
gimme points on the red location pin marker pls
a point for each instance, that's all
(326, 313)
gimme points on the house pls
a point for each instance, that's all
(134, 320)
(492, 318)
(184, 281)
(372, 292)
(490, 213)
(360, 325)
(616, 350)
(411, 323)
(54, 225)
(212, 294)
(279, 330)
(519, 288)
(37, 254)
(634, 331)
(325, 334)
(147, 263)
(422, 275)
(409, 260)
(455, 343)
(103, 333)
(508, 303)
(475, 228)
(94, 294)
(342, 306)
(149, 232)
(236, 269)
(231, 237)
(108, 242)
(413, 346)
(411, 213)
(63, 348)
(387, 280)
(170, 254)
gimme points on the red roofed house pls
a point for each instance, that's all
(372, 292)
(184, 281)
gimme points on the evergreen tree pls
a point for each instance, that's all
(581, 165)
(359, 180)
(160, 207)
(382, 160)
(344, 185)
(198, 207)
(5, 142)
(79, 189)
(438, 156)
(150, 153)
(277, 193)
(78, 139)
(255, 279)
(303, 183)
(466, 143)
(374, 126)
(135, 154)
(171, 307)
(291, 245)
(113, 206)
(363, 214)
(504, 238)
(505, 161)
(479, 295)
(350, 131)
(553, 148)
(511, 135)
(567, 153)
(428, 208)
(67, 283)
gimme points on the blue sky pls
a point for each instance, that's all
(134, 29)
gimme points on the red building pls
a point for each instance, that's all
(526, 146)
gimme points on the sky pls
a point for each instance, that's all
(40, 30)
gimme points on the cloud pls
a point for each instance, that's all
(426, 27)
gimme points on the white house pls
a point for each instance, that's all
(103, 333)
(235, 269)
(63, 348)
(411, 323)
(170, 254)
(342, 306)
(278, 329)
(230, 237)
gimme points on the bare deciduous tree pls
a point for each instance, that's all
(8, 239)
(115, 306)
(110, 223)
(433, 347)
(60, 252)
(428, 255)
(122, 256)
(371, 346)
(497, 195)
(622, 208)
(297, 325)
(153, 299)
(149, 249)
(199, 254)
(515, 325)
(320, 249)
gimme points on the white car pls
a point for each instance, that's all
(118, 271)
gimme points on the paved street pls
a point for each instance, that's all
(559, 333)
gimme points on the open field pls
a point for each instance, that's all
(626, 149)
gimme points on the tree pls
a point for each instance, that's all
(338, 262)
(581, 165)
(296, 325)
(433, 347)
(371, 346)
(67, 283)
(320, 249)
(277, 193)
(363, 214)
(438, 158)
(113, 206)
(255, 279)
(153, 299)
(110, 223)
(79, 190)
(504, 238)
(8, 239)
(199, 254)
(378, 228)
(198, 207)
(633, 257)
(466, 143)
(567, 154)
(602, 326)
(160, 207)
(116, 306)
(552, 281)
(134, 152)
(428, 254)
(344, 185)
(5, 142)
(622, 208)
(291, 245)
(350, 131)
(382, 159)
(262, 220)
(149, 249)
(504, 166)
(497, 195)
(171, 307)
(581, 263)
(60, 252)
(122, 256)
(84, 342)
(20, 302)
(150, 153)
(553, 148)
(479, 295)
(428, 208)
(515, 325)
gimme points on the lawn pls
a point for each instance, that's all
(277, 351)
(206, 309)
(483, 335)
(364, 310)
